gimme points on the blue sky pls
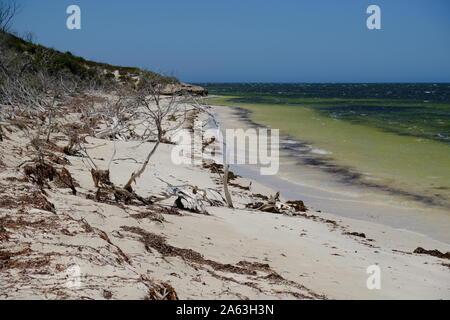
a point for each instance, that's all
(254, 40)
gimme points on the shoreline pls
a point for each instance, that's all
(314, 193)
(357, 152)
(345, 175)
(136, 251)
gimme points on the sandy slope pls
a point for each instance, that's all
(135, 251)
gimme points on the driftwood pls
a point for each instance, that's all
(117, 194)
(225, 176)
(225, 187)
(191, 198)
(206, 144)
(137, 174)
(186, 200)
(274, 205)
(297, 205)
(106, 189)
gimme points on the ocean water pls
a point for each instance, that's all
(391, 138)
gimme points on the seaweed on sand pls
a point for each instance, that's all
(434, 253)
(161, 291)
(158, 243)
(35, 199)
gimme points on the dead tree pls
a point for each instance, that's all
(120, 116)
(201, 107)
(154, 110)
(225, 187)
(40, 100)
(8, 10)
(191, 198)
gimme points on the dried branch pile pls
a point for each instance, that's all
(274, 205)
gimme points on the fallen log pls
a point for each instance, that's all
(190, 201)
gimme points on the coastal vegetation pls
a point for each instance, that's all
(41, 88)
(93, 206)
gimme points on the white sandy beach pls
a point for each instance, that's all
(137, 252)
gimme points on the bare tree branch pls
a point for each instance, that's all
(8, 10)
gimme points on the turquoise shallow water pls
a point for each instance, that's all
(338, 190)
(393, 137)
(419, 110)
